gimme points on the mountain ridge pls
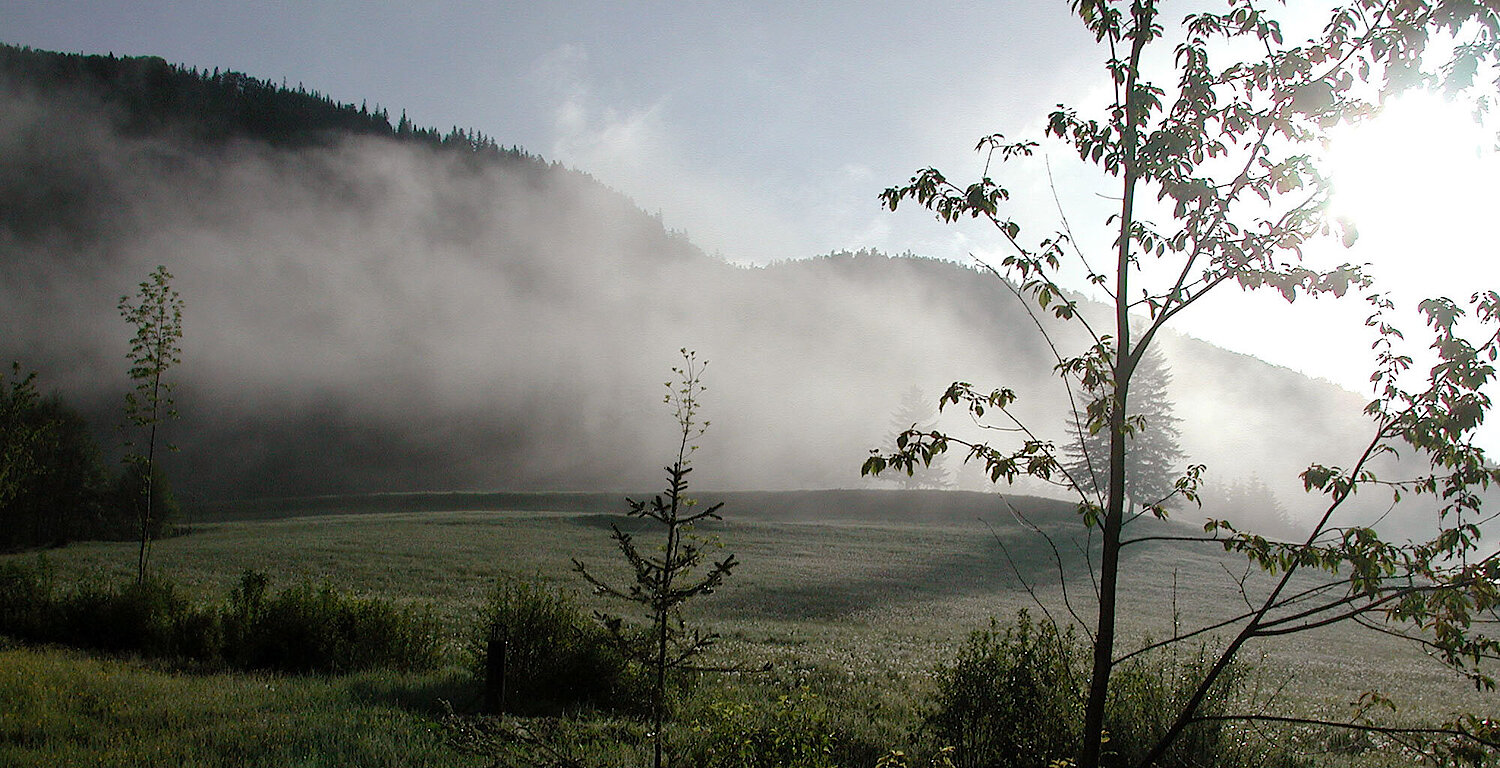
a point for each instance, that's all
(383, 309)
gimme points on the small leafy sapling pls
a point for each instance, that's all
(1212, 165)
(665, 580)
(156, 314)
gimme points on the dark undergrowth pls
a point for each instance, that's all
(300, 629)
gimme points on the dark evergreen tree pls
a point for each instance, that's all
(916, 412)
(52, 478)
(1153, 457)
(64, 498)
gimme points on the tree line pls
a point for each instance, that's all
(55, 484)
(215, 106)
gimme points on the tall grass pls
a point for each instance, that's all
(65, 710)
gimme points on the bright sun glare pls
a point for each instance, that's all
(1422, 184)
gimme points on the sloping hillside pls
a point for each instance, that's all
(384, 308)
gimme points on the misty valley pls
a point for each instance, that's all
(335, 440)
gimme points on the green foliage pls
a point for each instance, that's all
(19, 436)
(27, 611)
(62, 709)
(1231, 150)
(151, 618)
(794, 715)
(1014, 698)
(306, 629)
(57, 488)
(156, 314)
(62, 494)
(793, 728)
(535, 644)
(1011, 698)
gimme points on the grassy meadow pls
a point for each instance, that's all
(852, 595)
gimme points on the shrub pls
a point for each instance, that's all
(303, 629)
(150, 618)
(537, 653)
(26, 602)
(1145, 694)
(1014, 697)
(795, 714)
(299, 630)
(1011, 698)
(794, 728)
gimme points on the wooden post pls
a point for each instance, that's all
(494, 670)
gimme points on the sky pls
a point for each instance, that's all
(766, 131)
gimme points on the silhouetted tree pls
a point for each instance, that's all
(664, 581)
(18, 435)
(916, 412)
(1251, 505)
(53, 481)
(156, 314)
(1214, 170)
(64, 498)
(1153, 459)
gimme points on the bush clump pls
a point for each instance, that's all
(1015, 698)
(537, 653)
(303, 629)
(299, 630)
(151, 618)
(794, 728)
(1011, 698)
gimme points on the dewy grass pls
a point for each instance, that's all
(857, 605)
(833, 588)
(64, 709)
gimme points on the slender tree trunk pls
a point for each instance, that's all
(658, 694)
(494, 670)
(1124, 366)
(669, 559)
(140, 572)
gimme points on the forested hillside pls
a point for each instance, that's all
(378, 307)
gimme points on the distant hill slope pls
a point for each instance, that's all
(379, 308)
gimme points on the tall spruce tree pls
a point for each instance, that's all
(1153, 458)
(917, 413)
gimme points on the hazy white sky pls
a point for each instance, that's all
(767, 130)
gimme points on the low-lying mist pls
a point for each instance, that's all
(365, 314)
